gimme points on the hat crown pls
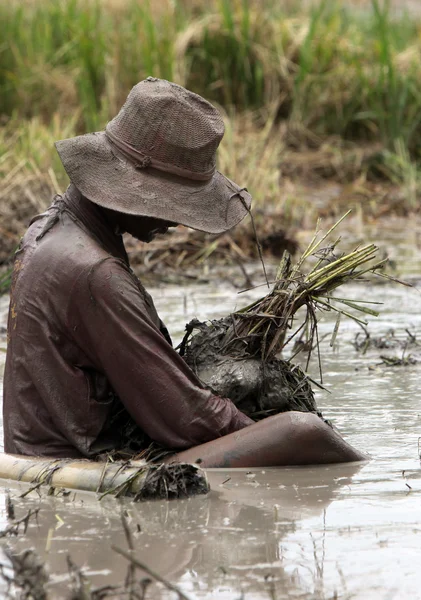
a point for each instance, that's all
(170, 124)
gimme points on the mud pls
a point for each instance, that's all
(167, 482)
(258, 388)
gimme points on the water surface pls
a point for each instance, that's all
(344, 531)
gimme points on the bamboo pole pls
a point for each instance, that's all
(136, 479)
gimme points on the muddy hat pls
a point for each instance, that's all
(157, 158)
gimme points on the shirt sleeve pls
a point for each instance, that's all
(165, 398)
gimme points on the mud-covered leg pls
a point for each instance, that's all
(291, 438)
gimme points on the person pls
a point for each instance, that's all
(90, 369)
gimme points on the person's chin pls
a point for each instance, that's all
(149, 237)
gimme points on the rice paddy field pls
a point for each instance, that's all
(322, 106)
(315, 95)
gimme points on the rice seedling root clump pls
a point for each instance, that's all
(238, 356)
(164, 482)
(259, 389)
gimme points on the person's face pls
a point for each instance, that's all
(142, 228)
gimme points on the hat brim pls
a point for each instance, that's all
(106, 178)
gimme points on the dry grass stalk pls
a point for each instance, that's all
(261, 328)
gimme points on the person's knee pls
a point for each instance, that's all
(317, 441)
(307, 427)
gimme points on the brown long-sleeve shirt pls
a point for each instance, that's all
(88, 358)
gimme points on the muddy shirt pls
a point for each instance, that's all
(88, 359)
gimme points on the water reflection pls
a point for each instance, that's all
(230, 541)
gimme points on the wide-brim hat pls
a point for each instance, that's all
(157, 158)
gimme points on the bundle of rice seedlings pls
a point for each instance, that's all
(237, 355)
(260, 329)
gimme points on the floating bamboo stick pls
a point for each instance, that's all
(136, 479)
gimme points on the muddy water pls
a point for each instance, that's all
(350, 530)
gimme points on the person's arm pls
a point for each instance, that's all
(110, 322)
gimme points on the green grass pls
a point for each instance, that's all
(334, 71)
(307, 75)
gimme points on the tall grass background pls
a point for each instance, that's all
(288, 76)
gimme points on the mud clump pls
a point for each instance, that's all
(169, 481)
(258, 388)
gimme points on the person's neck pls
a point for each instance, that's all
(96, 221)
